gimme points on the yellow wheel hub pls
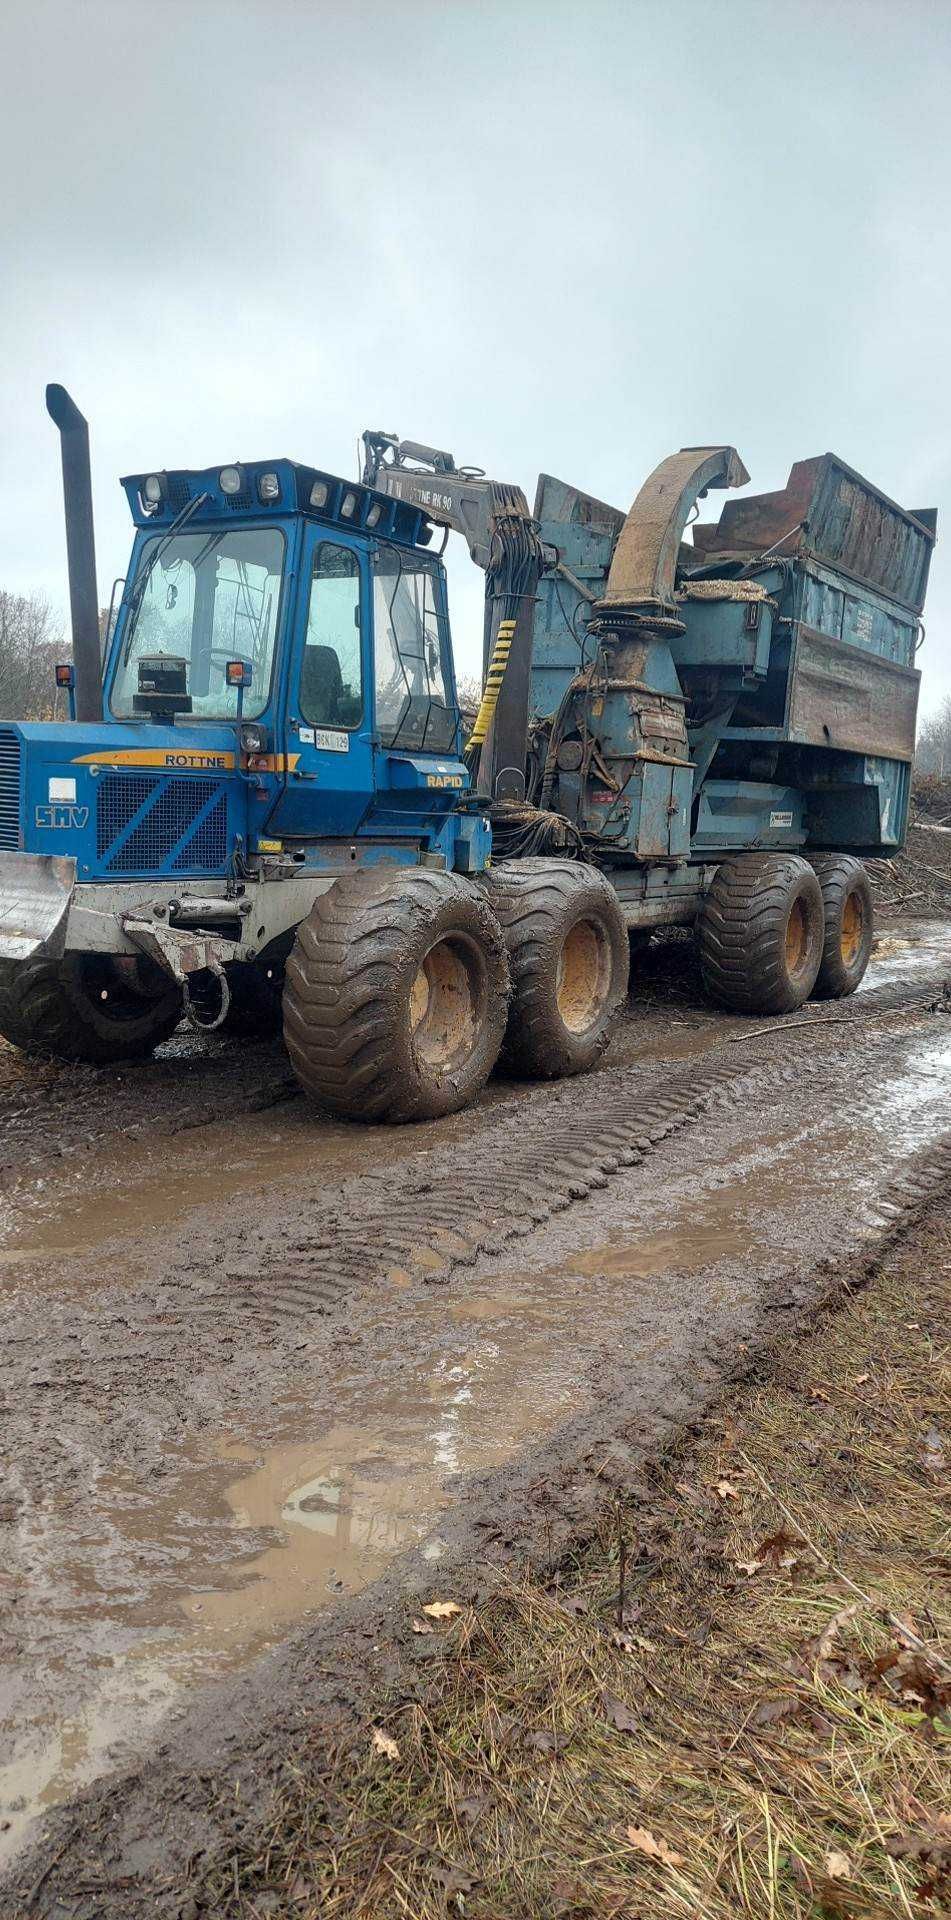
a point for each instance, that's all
(853, 929)
(443, 1006)
(584, 976)
(797, 938)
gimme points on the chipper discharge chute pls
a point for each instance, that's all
(266, 803)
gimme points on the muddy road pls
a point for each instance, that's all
(259, 1369)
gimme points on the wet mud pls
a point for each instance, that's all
(186, 1483)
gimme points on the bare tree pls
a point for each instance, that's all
(31, 643)
(933, 752)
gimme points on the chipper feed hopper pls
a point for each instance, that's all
(264, 801)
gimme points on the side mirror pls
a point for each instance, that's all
(66, 677)
(238, 674)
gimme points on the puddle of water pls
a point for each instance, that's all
(918, 1105)
(905, 952)
(686, 1249)
(187, 1174)
(339, 1508)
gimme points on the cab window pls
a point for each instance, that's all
(411, 647)
(331, 682)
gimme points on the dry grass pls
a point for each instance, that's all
(753, 1740)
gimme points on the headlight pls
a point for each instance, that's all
(229, 480)
(269, 486)
(374, 513)
(253, 738)
(153, 492)
(319, 493)
(348, 506)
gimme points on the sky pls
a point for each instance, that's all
(546, 236)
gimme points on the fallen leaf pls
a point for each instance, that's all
(783, 1549)
(770, 1711)
(619, 1715)
(543, 1741)
(775, 1551)
(727, 1490)
(816, 1393)
(453, 1880)
(861, 1379)
(384, 1743)
(913, 1675)
(821, 1647)
(625, 1642)
(422, 1626)
(838, 1865)
(646, 1842)
(471, 1806)
(442, 1609)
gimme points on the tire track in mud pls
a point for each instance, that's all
(276, 1269)
(426, 1224)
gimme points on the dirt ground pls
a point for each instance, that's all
(731, 1699)
(918, 882)
(266, 1377)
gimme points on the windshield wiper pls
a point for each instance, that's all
(134, 599)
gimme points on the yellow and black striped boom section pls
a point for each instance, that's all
(492, 688)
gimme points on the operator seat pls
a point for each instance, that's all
(321, 687)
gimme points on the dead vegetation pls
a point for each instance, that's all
(918, 880)
(735, 1702)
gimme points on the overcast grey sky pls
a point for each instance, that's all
(561, 236)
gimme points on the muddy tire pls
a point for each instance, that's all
(81, 1008)
(568, 952)
(396, 994)
(761, 933)
(849, 924)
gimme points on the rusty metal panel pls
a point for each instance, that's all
(828, 511)
(844, 697)
(645, 559)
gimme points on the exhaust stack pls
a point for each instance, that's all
(80, 551)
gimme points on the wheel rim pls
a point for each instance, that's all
(797, 938)
(584, 975)
(445, 1005)
(853, 929)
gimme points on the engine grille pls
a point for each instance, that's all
(149, 824)
(9, 789)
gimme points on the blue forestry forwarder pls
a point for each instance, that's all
(264, 791)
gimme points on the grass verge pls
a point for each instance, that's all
(734, 1701)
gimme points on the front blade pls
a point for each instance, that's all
(35, 894)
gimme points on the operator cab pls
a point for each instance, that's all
(305, 611)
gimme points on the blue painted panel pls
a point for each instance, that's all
(736, 814)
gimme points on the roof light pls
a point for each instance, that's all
(269, 486)
(348, 506)
(374, 513)
(153, 492)
(319, 493)
(229, 480)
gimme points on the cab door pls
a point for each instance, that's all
(329, 758)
